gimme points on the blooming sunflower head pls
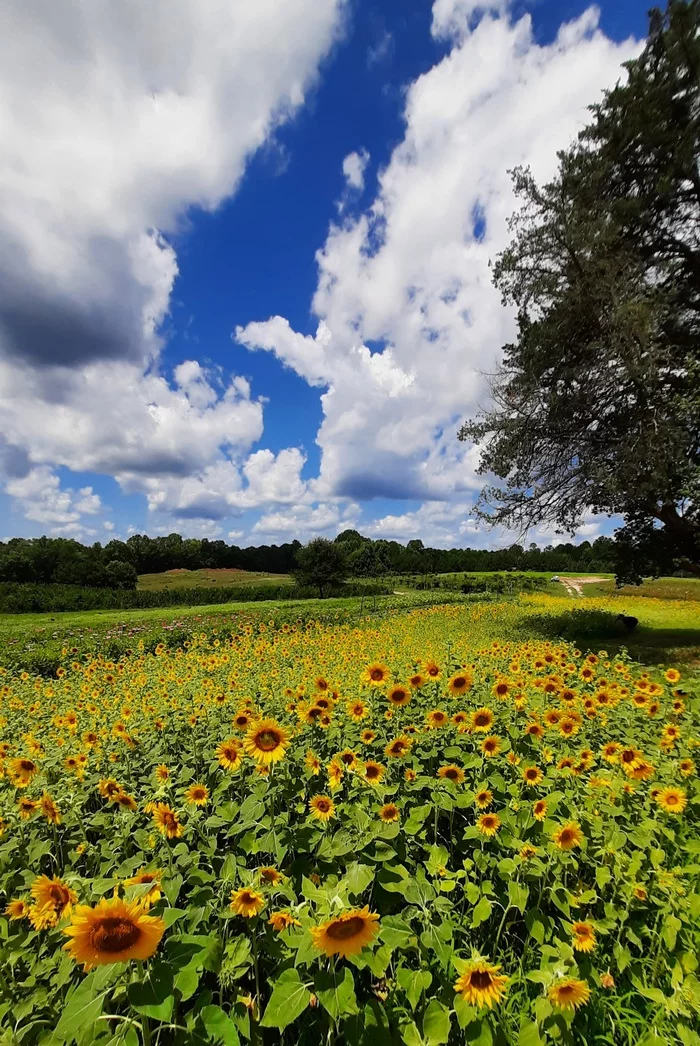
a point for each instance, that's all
(113, 931)
(452, 773)
(491, 746)
(488, 824)
(322, 807)
(481, 983)
(482, 720)
(374, 772)
(346, 934)
(460, 683)
(568, 993)
(399, 747)
(266, 742)
(376, 674)
(398, 695)
(54, 893)
(389, 812)
(247, 902)
(569, 836)
(280, 921)
(584, 939)
(672, 800)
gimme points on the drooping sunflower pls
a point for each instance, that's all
(491, 746)
(125, 801)
(374, 772)
(108, 788)
(584, 939)
(399, 747)
(460, 683)
(322, 807)
(376, 674)
(568, 837)
(482, 720)
(270, 876)
(488, 824)
(266, 742)
(280, 921)
(672, 800)
(21, 771)
(569, 993)
(346, 934)
(154, 881)
(483, 798)
(167, 821)
(113, 931)
(162, 773)
(49, 809)
(54, 893)
(389, 812)
(452, 773)
(336, 773)
(398, 695)
(532, 775)
(246, 902)
(481, 984)
(539, 809)
(197, 794)
(313, 763)
(26, 808)
(527, 852)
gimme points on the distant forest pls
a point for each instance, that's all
(66, 562)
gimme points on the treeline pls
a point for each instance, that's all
(30, 598)
(62, 561)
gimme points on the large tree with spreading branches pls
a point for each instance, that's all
(596, 405)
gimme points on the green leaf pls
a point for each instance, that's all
(396, 932)
(336, 993)
(219, 1026)
(414, 982)
(410, 1034)
(478, 1033)
(603, 876)
(171, 915)
(186, 982)
(436, 1023)
(529, 1034)
(518, 894)
(289, 999)
(82, 1007)
(153, 996)
(669, 931)
(481, 911)
(358, 877)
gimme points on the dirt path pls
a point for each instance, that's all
(574, 585)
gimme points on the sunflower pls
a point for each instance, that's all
(197, 794)
(399, 747)
(167, 821)
(42, 917)
(313, 763)
(162, 773)
(346, 934)
(569, 993)
(491, 746)
(246, 902)
(568, 726)
(488, 824)
(266, 742)
(335, 773)
(568, 836)
(584, 937)
(243, 719)
(501, 689)
(481, 984)
(389, 812)
(452, 773)
(49, 809)
(527, 852)
(153, 879)
(532, 775)
(640, 893)
(461, 721)
(22, 771)
(410, 775)
(228, 754)
(280, 921)
(643, 771)
(322, 807)
(367, 736)
(482, 720)
(26, 808)
(534, 730)
(610, 751)
(417, 680)
(671, 675)
(672, 800)
(348, 758)
(436, 718)
(687, 767)
(127, 802)
(17, 909)
(432, 670)
(460, 683)
(108, 788)
(270, 876)
(630, 758)
(54, 893)
(539, 809)
(398, 695)
(374, 772)
(483, 798)
(113, 931)
(375, 674)
(357, 710)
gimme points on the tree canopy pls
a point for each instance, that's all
(322, 563)
(596, 405)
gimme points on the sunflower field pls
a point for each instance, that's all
(321, 832)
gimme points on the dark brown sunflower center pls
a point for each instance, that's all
(501, 688)
(267, 740)
(388, 812)
(323, 806)
(398, 747)
(565, 990)
(398, 696)
(566, 836)
(314, 713)
(489, 746)
(372, 772)
(482, 720)
(247, 897)
(114, 935)
(671, 800)
(59, 895)
(481, 979)
(27, 766)
(341, 930)
(241, 720)
(348, 758)
(376, 674)
(433, 671)
(147, 877)
(459, 682)
(531, 775)
(452, 774)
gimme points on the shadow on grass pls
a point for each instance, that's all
(591, 629)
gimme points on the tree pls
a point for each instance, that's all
(597, 402)
(120, 574)
(321, 563)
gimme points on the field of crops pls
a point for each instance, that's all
(395, 831)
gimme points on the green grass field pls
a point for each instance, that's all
(207, 578)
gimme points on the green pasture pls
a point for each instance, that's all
(210, 578)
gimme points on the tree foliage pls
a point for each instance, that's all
(322, 563)
(597, 402)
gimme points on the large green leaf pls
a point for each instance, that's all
(153, 996)
(219, 1026)
(336, 992)
(436, 1023)
(289, 999)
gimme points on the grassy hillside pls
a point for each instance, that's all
(209, 578)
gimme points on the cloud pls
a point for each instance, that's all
(116, 120)
(354, 166)
(40, 496)
(409, 323)
(305, 521)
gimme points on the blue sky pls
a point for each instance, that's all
(252, 296)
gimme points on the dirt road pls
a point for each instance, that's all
(574, 585)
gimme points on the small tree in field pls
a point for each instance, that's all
(121, 575)
(321, 563)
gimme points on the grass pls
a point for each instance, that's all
(209, 578)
